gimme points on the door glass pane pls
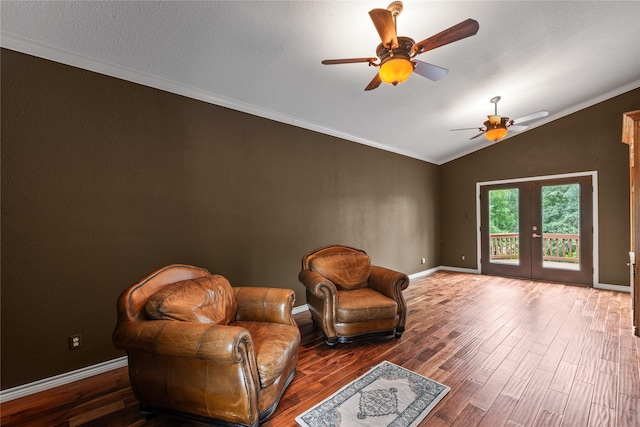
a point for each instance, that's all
(504, 237)
(561, 226)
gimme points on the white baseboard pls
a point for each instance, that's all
(300, 309)
(424, 273)
(618, 288)
(460, 269)
(62, 379)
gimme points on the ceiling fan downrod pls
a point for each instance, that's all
(494, 101)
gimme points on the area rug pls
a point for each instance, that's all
(388, 395)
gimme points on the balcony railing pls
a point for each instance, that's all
(556, 247)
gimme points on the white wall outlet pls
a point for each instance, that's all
(423, 260)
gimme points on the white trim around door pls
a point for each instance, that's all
(594, 181)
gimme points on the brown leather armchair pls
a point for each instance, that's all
(203, 350)
(349, 298)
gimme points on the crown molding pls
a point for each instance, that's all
(51, 53)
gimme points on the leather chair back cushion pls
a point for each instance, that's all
(208, 299)
(347, 270)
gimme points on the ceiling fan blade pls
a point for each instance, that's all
(430, 71)
(374, 83)
(476, 128)
(458, 32)
(517, 128)
(474, 137)
(348, 61)
(384, 23)
(532, 116)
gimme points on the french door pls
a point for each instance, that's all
(539, 229)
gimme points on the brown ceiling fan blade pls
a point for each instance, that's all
(348, 61)
(478, 135)
(374, 83)
(430, 71)
(458, 32)
(384, 23)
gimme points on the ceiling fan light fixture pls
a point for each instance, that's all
(495, 132)
(496, 125)
(395, 70)
(395, 64)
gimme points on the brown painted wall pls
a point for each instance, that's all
(103, 181)
(587, 140)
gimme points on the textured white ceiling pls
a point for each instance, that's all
(263, 57)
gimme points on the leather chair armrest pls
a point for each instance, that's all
(391, 283)
(317, 284)
(222, 343)
(265, 304)
(388, 282)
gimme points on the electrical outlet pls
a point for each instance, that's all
(75, 342)
(423, 260)
(463, 257)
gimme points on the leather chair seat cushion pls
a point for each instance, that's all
(208, 299)
(360, 305)
(346, 269)
(275, 344)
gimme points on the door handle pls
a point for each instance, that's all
(536, 235)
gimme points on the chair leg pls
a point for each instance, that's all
(332, 342)
(399, 332)
(149, 411)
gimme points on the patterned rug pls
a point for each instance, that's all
(388, 395)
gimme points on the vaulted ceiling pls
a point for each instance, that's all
(264, 58)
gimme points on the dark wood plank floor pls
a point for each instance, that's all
(514, 352)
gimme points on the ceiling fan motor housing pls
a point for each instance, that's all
(404, 48)
(494, 119)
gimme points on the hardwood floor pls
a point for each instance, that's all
(514, 352)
